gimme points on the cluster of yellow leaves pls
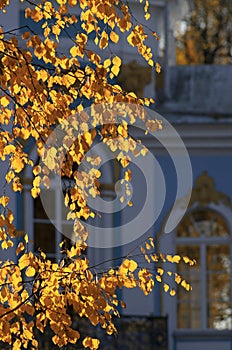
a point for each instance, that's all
(3, 4)
(34, 98)
(7, 227)
(152, 256)
(40, 88)
(58, 288)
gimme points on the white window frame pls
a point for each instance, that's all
(202, 243)
(95, 255)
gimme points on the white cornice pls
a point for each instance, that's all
(211, 139)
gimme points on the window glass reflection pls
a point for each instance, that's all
(210, 298)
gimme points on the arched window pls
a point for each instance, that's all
(204, 235)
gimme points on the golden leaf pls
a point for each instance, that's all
(4, 200)
(132, 265)
(91, 343)
(74, 51)
(20, 248)
(107, 63)
(26, 35)
(23, 262)
(35, 191)
(114, 37)
(176, 259)
(16, 185)
(4, 101)
(103, 43)
(117, 61)
(158, 278)
(160, 271)
(158, 67)
(123, 304)
(17, 164)
(172, 292)
(30, 271)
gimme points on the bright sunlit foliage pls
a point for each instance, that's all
(40, 88)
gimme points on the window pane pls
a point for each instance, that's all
(218, 286)
(216, 301)
(44, 237)
(194, 279)
(191, 251)
(220, 227)
(186, 228)
(189, 315)
(39, 212)
(189, 307)
(210, 224)
(203, 223)
(219, 315)
(218, 258)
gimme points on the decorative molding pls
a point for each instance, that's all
(204, 192)
(199, 139)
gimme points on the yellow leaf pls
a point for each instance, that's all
(30, 272)
(26, 35)
(158, 278)
(16, 185)
(176, 259)
(107, 63)
(151, 242)
(115, 70)
(56, 29)
(172, 292)
(9, 149)
(117, 61)
(36, 181)
(4, 101)
(132, 94)
(157, 67)
(133, 265)
(23, 262)
(123, 304)
(177, 278)
(74, 51)
(185, 285)
(37, 170)
(47, 31)
(20, 248)
(92, 343)
(114, 37)
(17, 345)
(155, 35)
(35, 191)
(4, 245)
(160, 271)
(4, 200)
(17, 164)
(104, 40)
(9, 176)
